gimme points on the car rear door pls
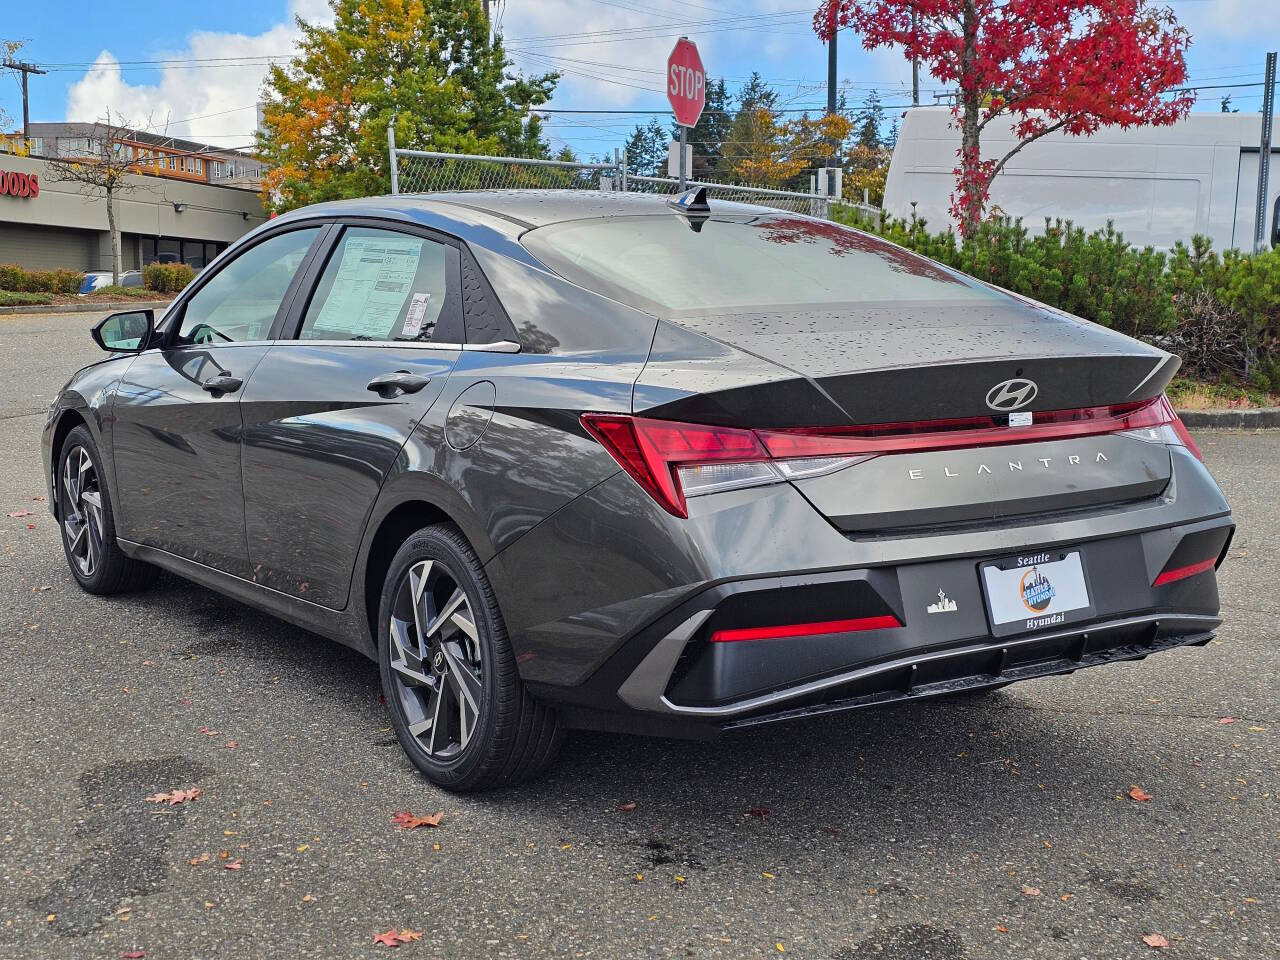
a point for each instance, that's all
(176, 431)
(370, 343)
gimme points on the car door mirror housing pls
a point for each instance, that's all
(127, 332)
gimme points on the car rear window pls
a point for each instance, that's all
(735, 264)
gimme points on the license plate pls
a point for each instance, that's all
(1035, 592)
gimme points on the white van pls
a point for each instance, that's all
(1157, 185)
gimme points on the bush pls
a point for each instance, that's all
(1221, 312)
(20, 280)
(9, 298)
(167, 277)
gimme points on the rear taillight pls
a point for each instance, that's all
(673, 461)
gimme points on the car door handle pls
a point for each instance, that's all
(222, 383)
(387, 384)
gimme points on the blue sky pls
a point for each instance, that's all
(611, 53)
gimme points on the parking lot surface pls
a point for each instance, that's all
(996, 827)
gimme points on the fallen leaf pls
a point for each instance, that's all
(1137, 793)
(388, 939)
(186, 701)
(1226, 721)
(680, 881)
(50, 918)
(303, 847)
(306, 898)
(20, 513)
(758, 812)
(766, 874)
(408, 936)
(232, 744)
(1155, 941)
(831, 830)
(148, 663)
(38, 499)
(780, 948)
(175, 797)
(1066, 896)
(196, 861)
(407, 821)
(208, 733)
(236, 864)
(627, 807)
(1030, 891)
(132, 955)
(1001, 928)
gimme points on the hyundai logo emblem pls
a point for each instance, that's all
(1011, 394)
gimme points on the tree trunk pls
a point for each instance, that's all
(115, 238)
(973, 191)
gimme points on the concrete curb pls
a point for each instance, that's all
(95, 306)
(1222, 419)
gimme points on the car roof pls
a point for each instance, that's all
(519, 209)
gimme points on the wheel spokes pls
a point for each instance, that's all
(435, 656)
(82, 514)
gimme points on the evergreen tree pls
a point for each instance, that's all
(647, 150)
(708, 136)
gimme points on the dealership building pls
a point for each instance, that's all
(184, 203)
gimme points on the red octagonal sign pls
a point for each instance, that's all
(686, 82)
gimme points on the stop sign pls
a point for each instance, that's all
(686, 82)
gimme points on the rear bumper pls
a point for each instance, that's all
(611, 607)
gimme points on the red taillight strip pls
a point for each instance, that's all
(975, 432)
(886, 622)
(1182, 573)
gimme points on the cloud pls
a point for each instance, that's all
(215, 102)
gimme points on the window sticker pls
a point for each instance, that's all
(413, 319)
(371, 286)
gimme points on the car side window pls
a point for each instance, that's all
(239, 303)
(384, 285)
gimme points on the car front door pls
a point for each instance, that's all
(332, 404)
(177, 425)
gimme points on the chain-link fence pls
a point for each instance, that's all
(422, 171)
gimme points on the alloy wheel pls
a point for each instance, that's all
(437, 660)
(82, 510)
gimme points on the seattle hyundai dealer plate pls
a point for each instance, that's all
(1034, 592)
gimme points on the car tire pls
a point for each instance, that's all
(458, 706)
(88, 525)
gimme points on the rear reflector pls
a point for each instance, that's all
(887, 622)
(1182, 573)
(672, 461)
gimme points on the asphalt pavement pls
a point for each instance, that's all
(996, 827)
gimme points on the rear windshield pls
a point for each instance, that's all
(738, 264)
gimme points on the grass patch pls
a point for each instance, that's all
(11, 298)
(125, 293)
(1187, 394)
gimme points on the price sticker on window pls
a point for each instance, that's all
(413, 318)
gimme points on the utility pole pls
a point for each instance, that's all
(25, 69)
(1264, 154)
(915, 62)
(830, 185)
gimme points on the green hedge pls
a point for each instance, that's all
(9, 298)
(21, 280)
(167, 277)
(1220, 312)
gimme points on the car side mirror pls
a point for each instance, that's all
(127, 332)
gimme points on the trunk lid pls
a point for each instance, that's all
(911, 363)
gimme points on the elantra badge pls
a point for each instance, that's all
(1012, 394)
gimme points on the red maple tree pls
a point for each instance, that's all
(1048, 65)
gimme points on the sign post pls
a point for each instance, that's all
(686, 91)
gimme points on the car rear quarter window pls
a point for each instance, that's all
(732, 264)
(383, 285)
(240, 301)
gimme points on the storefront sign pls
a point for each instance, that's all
(15, 184)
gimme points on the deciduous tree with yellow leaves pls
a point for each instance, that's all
(429, 66)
